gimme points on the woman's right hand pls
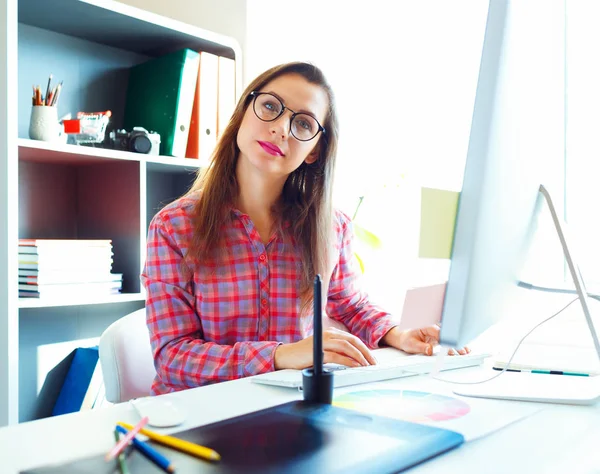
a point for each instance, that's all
(339, 347)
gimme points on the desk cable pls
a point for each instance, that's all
(507, 365)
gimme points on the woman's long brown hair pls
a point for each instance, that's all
(307, 193)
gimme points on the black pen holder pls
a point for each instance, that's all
(317, 388)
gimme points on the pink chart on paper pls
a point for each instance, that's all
(407, 405)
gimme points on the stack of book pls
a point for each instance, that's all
(62, 268)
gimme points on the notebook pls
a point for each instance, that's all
(294, 438)
(392, 364)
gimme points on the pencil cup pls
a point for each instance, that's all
(44, 124)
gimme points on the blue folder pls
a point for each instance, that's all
(77, 381)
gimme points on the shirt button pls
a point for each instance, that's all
(263, 302)
(262, 257)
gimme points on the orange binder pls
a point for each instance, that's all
(193, 150)
(202, 134)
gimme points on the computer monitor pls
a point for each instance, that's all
(517, 135)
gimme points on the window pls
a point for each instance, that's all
(405, 75)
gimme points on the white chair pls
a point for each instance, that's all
(126, 358)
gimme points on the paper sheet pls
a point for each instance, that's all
(423, 306)
(432, 402)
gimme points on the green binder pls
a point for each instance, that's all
(160, 98)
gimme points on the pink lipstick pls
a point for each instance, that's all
(270, 148)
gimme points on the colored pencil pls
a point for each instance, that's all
(46, 100)
(179, 444)
(126, 439)
(121, 457)
(149, 452)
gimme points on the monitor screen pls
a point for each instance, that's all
(516, 141)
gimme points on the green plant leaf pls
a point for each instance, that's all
(367, 237)
(360, 263)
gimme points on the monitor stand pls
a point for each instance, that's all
(543, 387)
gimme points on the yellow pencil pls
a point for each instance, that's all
(178, 444)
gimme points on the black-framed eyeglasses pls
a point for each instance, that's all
(268, 108)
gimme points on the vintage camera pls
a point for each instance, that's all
(139, 140)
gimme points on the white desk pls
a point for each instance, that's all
(555, 439)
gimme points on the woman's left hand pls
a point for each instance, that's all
(418, 341)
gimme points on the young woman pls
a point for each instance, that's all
(230, 265)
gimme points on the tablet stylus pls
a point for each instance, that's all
(317, 383)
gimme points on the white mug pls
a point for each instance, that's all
(44, 124)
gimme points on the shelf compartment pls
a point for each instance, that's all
(91, 201)
(164, 185)
(46, 336)
(95, 76)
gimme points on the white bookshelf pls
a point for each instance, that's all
(45, 152)
(173, 164)
(79, 301)
(67, 191)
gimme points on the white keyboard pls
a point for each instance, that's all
(392, 364)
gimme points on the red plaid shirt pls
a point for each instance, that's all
(225, 322)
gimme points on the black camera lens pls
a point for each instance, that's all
(140, 144)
